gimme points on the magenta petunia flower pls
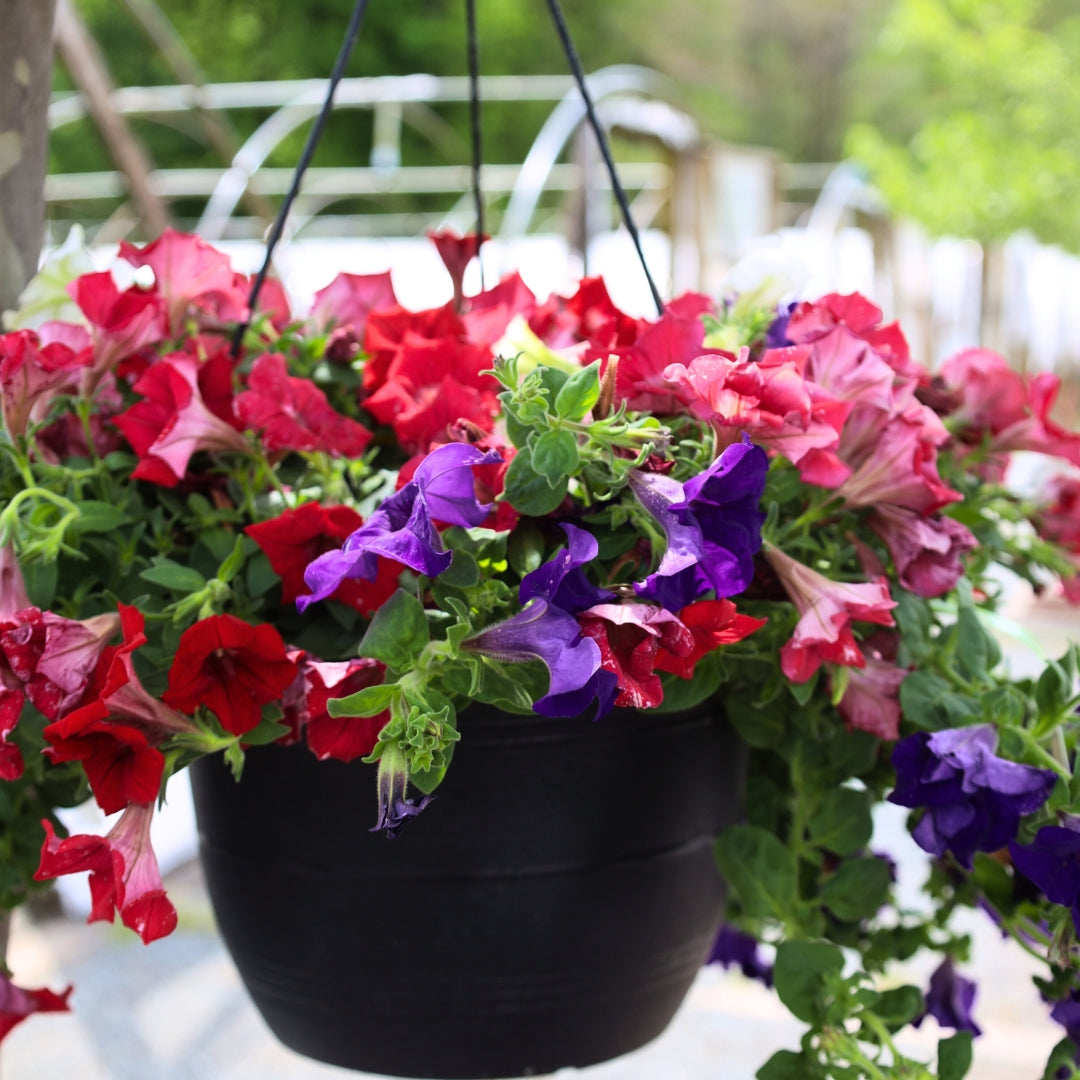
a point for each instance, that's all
(927, 551)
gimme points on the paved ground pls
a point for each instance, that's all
(176, 1010)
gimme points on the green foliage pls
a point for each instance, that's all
(977, 138)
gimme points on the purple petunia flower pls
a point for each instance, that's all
(734, 948)
(1067, 1013)
(546, 630)
(712, 523)
(949, 999)
(974, 800)
(1052, 861)
(561, 579)
(776, 336)
(403, 527)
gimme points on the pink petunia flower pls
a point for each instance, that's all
(124, 874)
(894, 458)
(871, 698)
(175, 421)
(827, 609)
(770, 400)
(1013, 410)
(32, 374)
(189, 273)
(350, 298)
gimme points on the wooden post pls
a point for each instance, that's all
(25, 82)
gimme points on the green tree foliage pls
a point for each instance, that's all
(971, 121)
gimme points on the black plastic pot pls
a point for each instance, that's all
(550, 908)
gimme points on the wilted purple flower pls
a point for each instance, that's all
(713, 526)
(546, 630)
(403, 528)
(734, 948)
(1052, 861)
(950, 998)
(395, 808)
(974, 800)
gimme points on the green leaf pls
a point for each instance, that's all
(973, 650)
(555, 455)
(463, 571)
(96, 516)
(231, 565)
(525, 550)
(858, 889)
(427, 780)
(370, 701)
(681, 694)
(529, 493)
(954, 1056)
(398, 632)
(760, 870)
(899, 1006)
(171, 575)
(579, 393)
(265, 732)
(783, 1065)
(801, 976)
(763, 727)
(842, 822)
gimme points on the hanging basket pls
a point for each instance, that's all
(550, 909)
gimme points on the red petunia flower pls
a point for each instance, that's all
(124, 874)
(16, 1003)
(431, 385)
(713, 623)
(630, 636)
(293, 414)
(231, 667)
(343, 738)
(297, 537)
(456, 253)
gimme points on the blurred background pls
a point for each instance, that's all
(925, 152)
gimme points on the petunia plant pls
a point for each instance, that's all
(341, 529)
